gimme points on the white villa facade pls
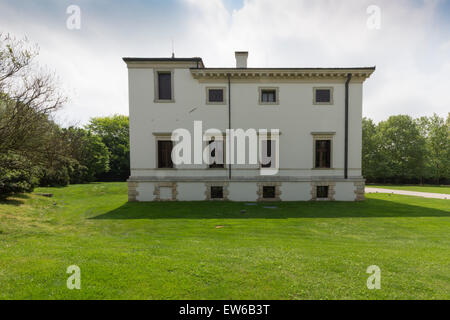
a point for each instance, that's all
(318, 113)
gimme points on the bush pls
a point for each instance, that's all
(17, 174)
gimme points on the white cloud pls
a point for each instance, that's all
(412, 58)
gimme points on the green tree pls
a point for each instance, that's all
(437, 134)
(114, 133)
(90, 152)
(402, 148)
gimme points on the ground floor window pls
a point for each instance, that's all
(165, 154)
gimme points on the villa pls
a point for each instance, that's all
(298, 131)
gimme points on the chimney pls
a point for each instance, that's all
(241, 59)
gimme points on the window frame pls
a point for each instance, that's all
(224, 102)
(323, 136)
(331, 102)
(277, 96)
(162, 137)
(156, 86)
(208, 142)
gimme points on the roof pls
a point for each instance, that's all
(198, 60)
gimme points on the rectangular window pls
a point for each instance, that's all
(215, 95)
(268, 192)
(216, 192)
(323, 153)
(266, 156)
(323, 96)
(268, 96)
(164, 86)
(165, 154)
(322, 192)
(216, 148)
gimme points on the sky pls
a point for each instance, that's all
(407, 40)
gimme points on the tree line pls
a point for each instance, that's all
(406, 150)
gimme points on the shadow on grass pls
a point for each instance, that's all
(15, 200)
(370, 208)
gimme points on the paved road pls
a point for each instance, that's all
(409, 193)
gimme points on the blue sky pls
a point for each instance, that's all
(411, 49)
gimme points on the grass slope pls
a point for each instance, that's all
(425, 188)
(302, 250)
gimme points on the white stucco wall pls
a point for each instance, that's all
(295, 116)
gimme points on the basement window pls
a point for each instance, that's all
(216, 192)
(322, 192)
(323, 95)
(268, 192)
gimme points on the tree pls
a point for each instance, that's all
(114, 133)
(90, 152)
(402, 147)
(370, 149)
(437, 134)
(28, 96)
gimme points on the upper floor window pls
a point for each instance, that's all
(215, 95)
(268, 96)
(323, 95)
(165, 154)
(164, 86)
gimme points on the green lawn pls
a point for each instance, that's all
(303, 250)
(425, 188)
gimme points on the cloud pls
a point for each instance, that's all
(411, 50)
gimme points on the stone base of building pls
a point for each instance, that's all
(245, 189)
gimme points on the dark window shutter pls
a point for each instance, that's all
(216, 192)
(268, 155)
(323, 95)
(218, 144)
(164, 86)
(165, 154)
(322, 192)
(215, 95)
(268, 192)
(323, 154)
(268, 96)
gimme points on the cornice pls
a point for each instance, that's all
(358, 74)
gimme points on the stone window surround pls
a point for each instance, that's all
(224, 102)
(323, 103)
(323, 136)
(157, 190)
(156, 89)
(208, 186)
(277, 96)
(259, 192)
(331, 190)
